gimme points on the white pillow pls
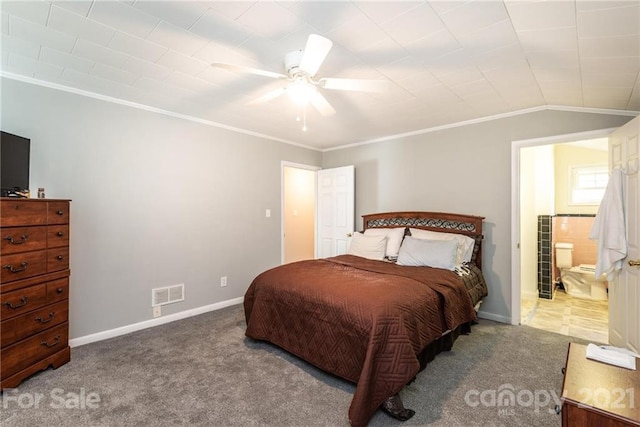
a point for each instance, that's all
(371, 247)
(430, 253)
(394, 238)
(465, 243)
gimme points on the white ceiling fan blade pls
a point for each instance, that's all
(321, 104)
(248, 70)
(267, 96)
(354, 84)
(314, 54)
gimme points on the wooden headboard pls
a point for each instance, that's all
(468, 225)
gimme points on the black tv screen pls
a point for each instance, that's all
(14, 162)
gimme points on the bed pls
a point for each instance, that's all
(371, 321)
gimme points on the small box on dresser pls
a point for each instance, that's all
(34, 287)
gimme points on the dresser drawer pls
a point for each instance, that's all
(23, 265)
(58, 213)
(23, 239)
(57, 259)
(22, 300)
(36, 321)
(58, 290)
(57, 236)
(22, 212)
(23, 354)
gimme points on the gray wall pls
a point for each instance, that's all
(465, 170)
(157, 201)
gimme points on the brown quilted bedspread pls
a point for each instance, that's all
(365, 321)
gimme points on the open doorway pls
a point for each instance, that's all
(298, 211)
(547, 214)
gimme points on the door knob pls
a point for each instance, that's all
(351, 234)
(635, 263)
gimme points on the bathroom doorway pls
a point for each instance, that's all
(556, 207)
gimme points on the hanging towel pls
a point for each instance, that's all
(609, 228)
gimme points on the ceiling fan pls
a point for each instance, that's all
(301, 68)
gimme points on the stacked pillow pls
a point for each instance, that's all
(423, 248)
(369, 243)
(465, 244)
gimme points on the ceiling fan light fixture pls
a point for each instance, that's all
(301, 92)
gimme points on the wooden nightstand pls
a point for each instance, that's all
(598, 394)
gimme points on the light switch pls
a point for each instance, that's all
(268, 213)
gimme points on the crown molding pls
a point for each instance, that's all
(149, 108)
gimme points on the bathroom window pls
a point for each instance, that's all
(588, 184)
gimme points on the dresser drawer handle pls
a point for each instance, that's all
(59, 234)
(53, 344)
(41, 320)
(23, 267)
(60, 257)
(60, 213)
(59, 290)
(23, 302)
(17, 242)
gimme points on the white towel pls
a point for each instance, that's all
(609, 228)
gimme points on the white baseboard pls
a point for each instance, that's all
(494, 317)
(99, 336)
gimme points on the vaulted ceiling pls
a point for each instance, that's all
(446, 61)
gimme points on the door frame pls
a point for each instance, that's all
(515, 204)
(283, 164)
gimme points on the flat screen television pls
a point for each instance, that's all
(14, 164)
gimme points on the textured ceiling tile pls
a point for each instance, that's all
(80, 7)
(548, 39)
(146, 68)
(134, 46)
(20, 46)
(177, 38)
(33, 11)
(183, 63)
(623, 21)
(216, 27)
(260, 16)
(123, 17)
(115, 74)
(540, 15)
(65, 60)
(40, 35)
(183, 14)
(413, 25)
(471, 16)
(610, 47)
(100, 54)
(79, 26)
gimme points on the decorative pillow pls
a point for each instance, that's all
(465, 243)
(476, 247)
(372, 247)
(394, 238)
(430, 253)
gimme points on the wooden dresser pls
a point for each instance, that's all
(34, 287)
(598, 394)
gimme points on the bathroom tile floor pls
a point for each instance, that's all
(567, 315)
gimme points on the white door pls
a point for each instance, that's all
(335, 207)
(624, 291)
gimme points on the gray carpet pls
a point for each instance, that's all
(203, 371)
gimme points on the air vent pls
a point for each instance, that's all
(167, 295)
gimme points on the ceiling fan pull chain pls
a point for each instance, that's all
(304, 118)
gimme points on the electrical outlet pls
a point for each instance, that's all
(157, 311)
(223, 281)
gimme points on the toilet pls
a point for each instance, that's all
(579, 281)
